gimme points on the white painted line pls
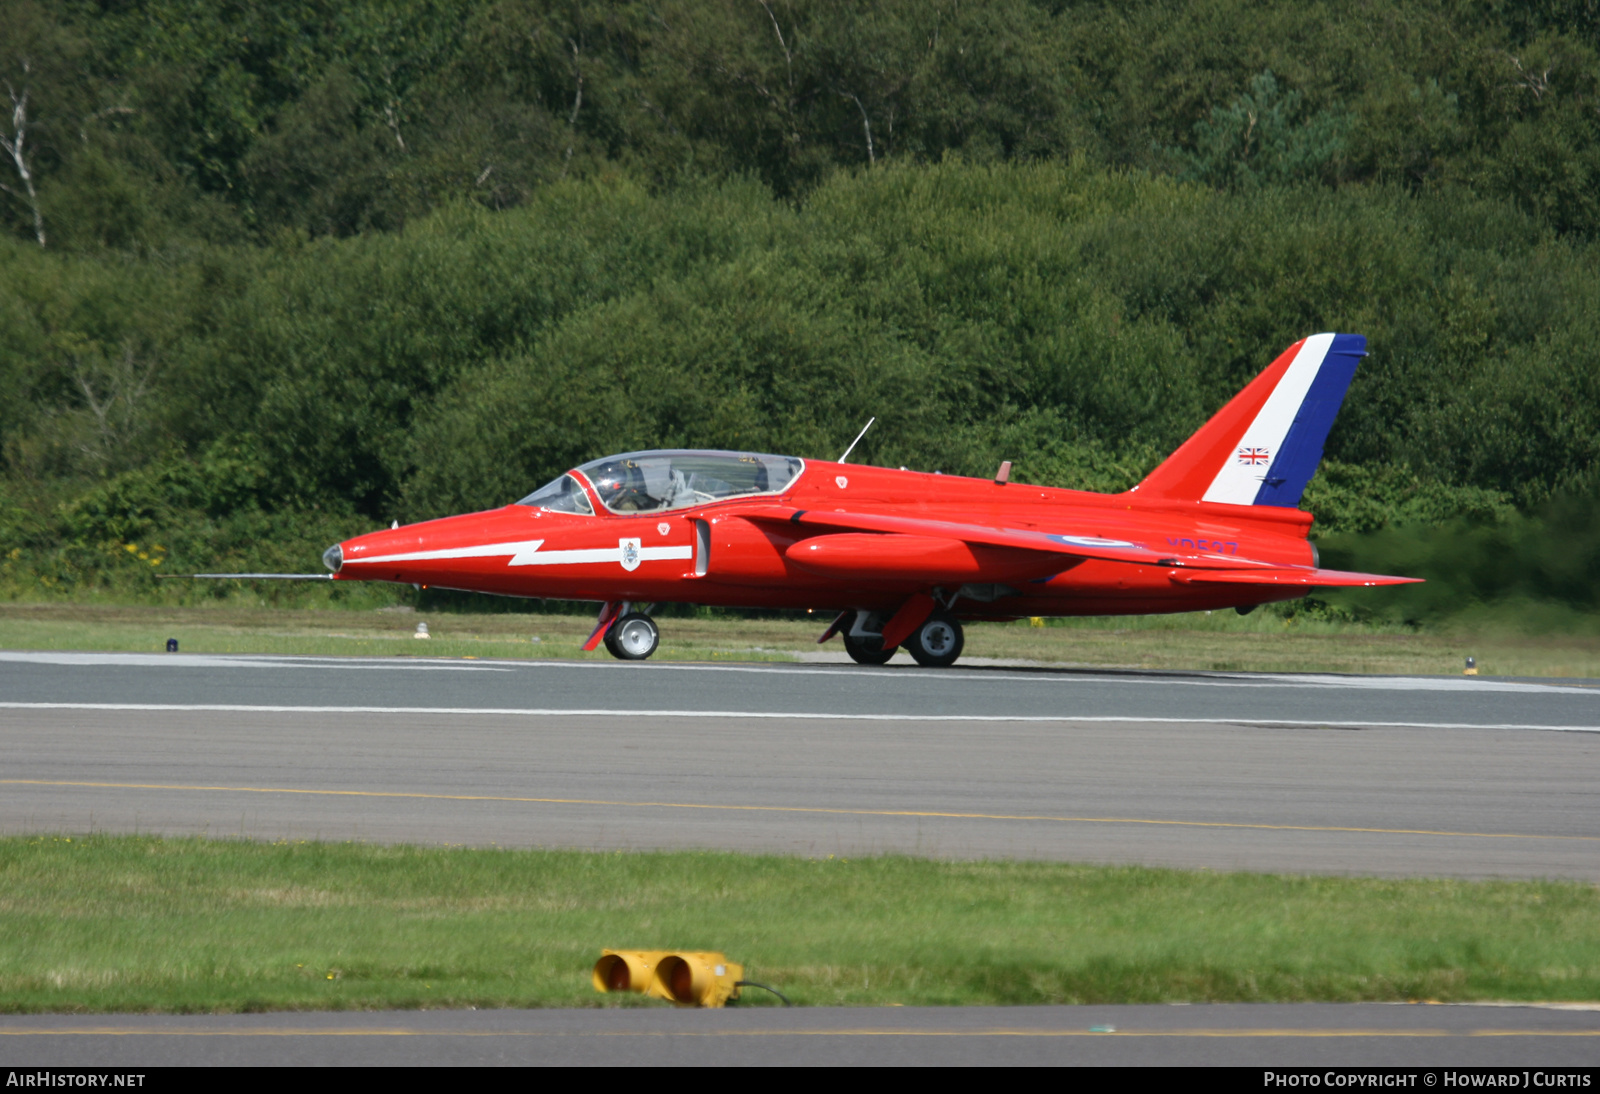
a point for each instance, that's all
(1152, 679)
(249, 661)
(1457, 684)
(550, 712)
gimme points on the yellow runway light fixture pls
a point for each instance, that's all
(629, 970)
(689, 978)
(699, 979)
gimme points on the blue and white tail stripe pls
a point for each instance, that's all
(1282, 445)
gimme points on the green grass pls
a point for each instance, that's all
(1263, 641)
(127, 923)
(383, 633)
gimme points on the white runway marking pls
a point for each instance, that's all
(235, 661)
(547, 712)
(1151, 679)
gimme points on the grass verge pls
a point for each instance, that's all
(1262, 642)
(128, 923)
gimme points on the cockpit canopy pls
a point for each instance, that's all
(646, 482)
(562, 496)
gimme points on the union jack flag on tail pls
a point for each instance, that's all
(1264, 446)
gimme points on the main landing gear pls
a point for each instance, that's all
(633, 637)
(867, 649)
(935, 644)
(938, 642)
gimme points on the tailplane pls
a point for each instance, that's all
(1264, 446)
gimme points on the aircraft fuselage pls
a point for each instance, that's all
(738, 552)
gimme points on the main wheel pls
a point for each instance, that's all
(938, 642)
(867, 651)
(633, 637)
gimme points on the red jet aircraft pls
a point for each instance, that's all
(905, 557)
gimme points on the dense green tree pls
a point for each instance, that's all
(158, 119)
(310, 265)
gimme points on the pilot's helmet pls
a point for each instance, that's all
(606, 478)
(621, 486)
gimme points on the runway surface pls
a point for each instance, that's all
(1255, 1035)
(1369, 775)
(896, 691)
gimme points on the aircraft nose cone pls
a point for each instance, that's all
(333, 558)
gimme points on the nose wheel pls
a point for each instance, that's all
(633, 637)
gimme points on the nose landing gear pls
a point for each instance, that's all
(634, 637)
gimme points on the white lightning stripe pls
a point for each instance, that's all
(486, 550)
(648, 554)
(1239, 483)
(596, 554)
(568, 558)
(527, 553)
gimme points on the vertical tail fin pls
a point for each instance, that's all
(1264, 446)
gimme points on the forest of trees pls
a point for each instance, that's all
(272, 273)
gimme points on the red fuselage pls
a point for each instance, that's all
(744, 552)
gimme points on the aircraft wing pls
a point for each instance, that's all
(1186, 568)
(1076, 546)
(1079, 547)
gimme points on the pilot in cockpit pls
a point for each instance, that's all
(622, 487)
(652, 481)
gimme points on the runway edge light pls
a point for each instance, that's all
(698, 979)
(629, 970)
(690, 978)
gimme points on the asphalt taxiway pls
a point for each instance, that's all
(1367, 775)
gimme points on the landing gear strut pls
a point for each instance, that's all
(633, 637)
(867, 651)
(864, 647)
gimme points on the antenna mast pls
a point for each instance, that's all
(857, 441)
